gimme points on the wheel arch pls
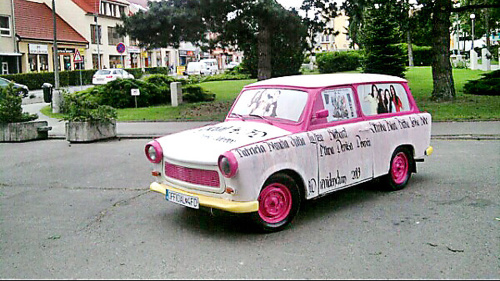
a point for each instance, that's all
(410, 148)
(295, 176)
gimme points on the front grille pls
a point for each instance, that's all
(195, 176)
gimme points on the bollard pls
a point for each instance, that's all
(176, 93)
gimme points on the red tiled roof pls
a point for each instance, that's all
(89, 6)
(35, 21)
(92, 6)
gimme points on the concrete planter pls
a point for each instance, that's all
(24, 131)
(90, 131)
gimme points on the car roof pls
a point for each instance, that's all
(325, 80)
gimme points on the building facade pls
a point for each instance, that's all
(9, 53)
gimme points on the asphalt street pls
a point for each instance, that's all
(84, 211)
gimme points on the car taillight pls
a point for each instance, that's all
(228, 165)
(154, 152)
(109, 76)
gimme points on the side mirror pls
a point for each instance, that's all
(321, 114)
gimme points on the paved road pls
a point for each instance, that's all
(84, 211)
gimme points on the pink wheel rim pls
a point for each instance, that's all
(399, 169)
(275, 203)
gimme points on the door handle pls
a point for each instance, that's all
(365, 130)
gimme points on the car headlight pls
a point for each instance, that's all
(228, 165)
(154, 152)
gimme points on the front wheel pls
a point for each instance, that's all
(279, 202)
(400, 169)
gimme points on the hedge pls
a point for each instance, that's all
(331, 62)
(35, 80)
(422, 55)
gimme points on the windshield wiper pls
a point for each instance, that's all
(237, 115)
(261, 117)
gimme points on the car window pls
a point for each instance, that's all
(340, 104)
(103, 72)
(278, 103)
(383, 98)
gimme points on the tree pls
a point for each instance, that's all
(438, 13)
(251, 25)
(379, 39)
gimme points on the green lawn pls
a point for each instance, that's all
(464, 108)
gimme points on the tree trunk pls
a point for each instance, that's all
(410, 49)
(264, 50)
(444, 88)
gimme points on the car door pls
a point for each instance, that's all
(345, 155)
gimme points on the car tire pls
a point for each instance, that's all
(400, 169)
(279, 202)
(25, 93)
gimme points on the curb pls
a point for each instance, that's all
(465, 137)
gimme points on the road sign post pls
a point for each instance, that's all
(120, 48)
(77, 58)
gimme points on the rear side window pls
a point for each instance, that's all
(340, 104)
(103, 72)
(383, 98)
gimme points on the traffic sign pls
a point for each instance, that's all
(120, 47)
(77, 57)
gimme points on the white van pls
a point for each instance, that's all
(197, 68)
(212, 65)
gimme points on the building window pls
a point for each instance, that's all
(5, 26)
(122, 10)
(95, 34)
(113, 37)
(33, 62)
(96, 60)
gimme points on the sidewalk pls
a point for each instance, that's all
(483, 130)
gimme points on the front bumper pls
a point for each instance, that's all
(211, 202)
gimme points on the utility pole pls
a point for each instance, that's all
(56, 97)
(16, 47)
(98, 39)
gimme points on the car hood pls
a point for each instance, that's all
(204, 145)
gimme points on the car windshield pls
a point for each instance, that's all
(277, 103)
(103, 72)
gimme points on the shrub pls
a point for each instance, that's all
(117, 93)
(11, 110)
(338, 61)
(78, 108)
(488, 85)
(162, 79)
(195, 93)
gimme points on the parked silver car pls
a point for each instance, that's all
(103, 76)
(22, 89)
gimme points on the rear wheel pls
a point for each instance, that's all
(400, 169)
(279, 202)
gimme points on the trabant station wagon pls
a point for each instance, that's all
(290, 139)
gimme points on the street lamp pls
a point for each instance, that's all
(472, 17)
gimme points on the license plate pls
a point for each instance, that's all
(182, 199)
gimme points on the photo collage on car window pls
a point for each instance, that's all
(383, 98)
(340, 104)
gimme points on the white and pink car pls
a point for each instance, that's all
(291, 139)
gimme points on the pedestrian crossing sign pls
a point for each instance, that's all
(77, 57)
